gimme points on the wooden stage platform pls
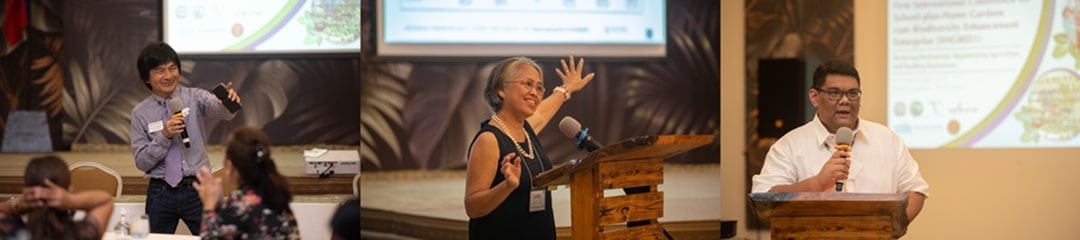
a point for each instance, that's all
(430, 204)
(289, 160)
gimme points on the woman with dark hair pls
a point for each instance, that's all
(259, 208)
(46, 204)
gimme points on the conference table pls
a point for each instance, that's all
(313, 214)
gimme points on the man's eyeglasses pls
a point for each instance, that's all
(834, 95)
(538, 86)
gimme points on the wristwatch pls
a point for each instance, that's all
(565, 93)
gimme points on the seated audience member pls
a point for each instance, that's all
(346, 219)
(259, 208)
(46, 204)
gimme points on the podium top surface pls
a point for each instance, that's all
(636, 148)
(826, 196)
(805, 204)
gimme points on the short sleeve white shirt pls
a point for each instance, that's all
(880, 161)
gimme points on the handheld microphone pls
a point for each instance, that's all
(844, 138)
(178, 110)
(572, 129)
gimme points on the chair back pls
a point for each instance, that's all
(93, 175)
(356, 185)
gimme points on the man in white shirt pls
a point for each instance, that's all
(805, 160)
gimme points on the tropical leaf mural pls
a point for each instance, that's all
(31, 77)
(318, 111)
(102, 85)
(676, 96)
(96, 111)
(51, 74)
(443, 109)
(382, 95)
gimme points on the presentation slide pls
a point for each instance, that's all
(984, 73)
(215, 27)
(502, 28)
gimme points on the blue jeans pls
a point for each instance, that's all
(166, 205)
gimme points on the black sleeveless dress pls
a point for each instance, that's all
(512, 219)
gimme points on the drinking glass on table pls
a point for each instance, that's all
(140, 228)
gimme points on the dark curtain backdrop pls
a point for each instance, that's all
(423, 114)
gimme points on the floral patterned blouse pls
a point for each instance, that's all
(241, 215)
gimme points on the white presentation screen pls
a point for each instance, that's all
(984, 73)
(501, 28)
(216, 27)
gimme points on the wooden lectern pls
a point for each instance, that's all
(635, 162)
(832, 215)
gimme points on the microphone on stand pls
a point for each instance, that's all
(844, 138)
(572, 129)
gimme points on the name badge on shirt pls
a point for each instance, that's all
(156, 126)
(537, 200)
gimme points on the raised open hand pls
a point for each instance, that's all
(571, 74)
(209, 188)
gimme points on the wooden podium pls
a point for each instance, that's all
(832, 215)
(635, 162)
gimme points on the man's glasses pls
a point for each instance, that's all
(538, 86)
(834, 95)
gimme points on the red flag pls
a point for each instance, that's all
(15, 21)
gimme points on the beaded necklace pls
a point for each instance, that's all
(502, 127)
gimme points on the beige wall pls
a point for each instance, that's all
(975, 194)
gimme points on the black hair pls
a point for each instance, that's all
(154, 55)
(834, 67)
(345, 219)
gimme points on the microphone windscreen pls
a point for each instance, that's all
(175, 105)
(569, 127)
(844, 136)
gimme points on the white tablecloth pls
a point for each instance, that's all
(313, 216)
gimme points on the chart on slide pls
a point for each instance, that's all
(273, 26)
(984, 73)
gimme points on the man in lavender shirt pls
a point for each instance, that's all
(158, 138)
